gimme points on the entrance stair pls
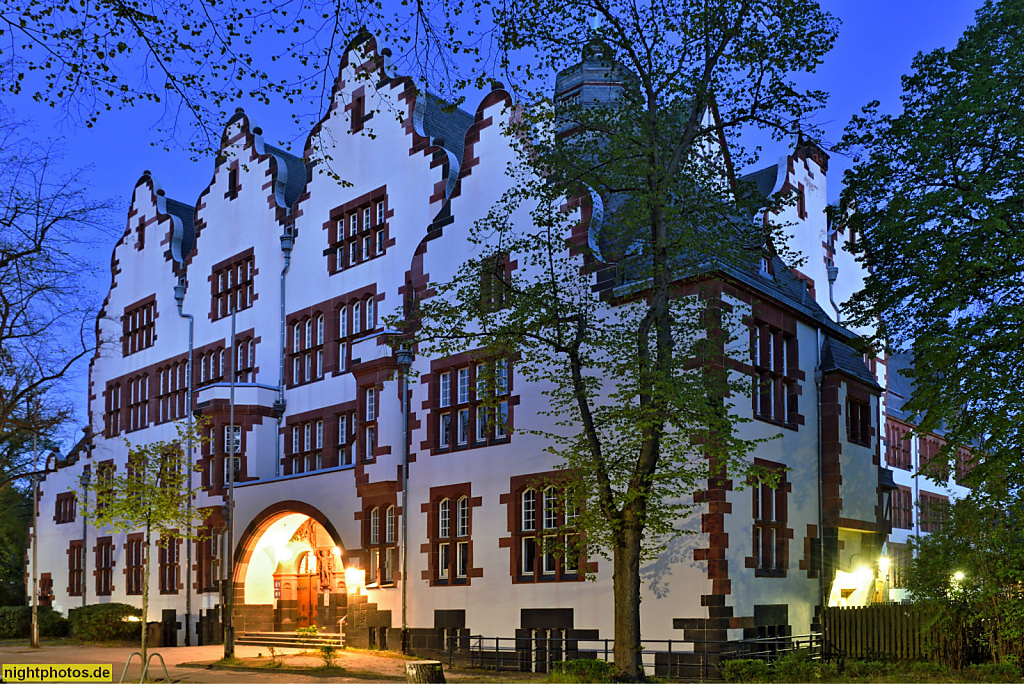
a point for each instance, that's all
(290, 640)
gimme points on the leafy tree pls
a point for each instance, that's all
(46, 218)
(937, 195)
(16, 502)
(639, 382)
(151, 495)
(982, 607)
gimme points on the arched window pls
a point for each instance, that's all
(343, 321)
(462, 517)
(550, 509)
(309, 333)
(390, 528)
(320, 329)
(444, 513)
(296, 337)
(375, 526)
(357, 317)
(371, 314)
(529, 509)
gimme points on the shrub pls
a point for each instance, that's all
(16, 622)
(582, 671)
(329, 654)
(867, 668)
(994, 672)
(105, 622)
(797, 666)
(746, 671)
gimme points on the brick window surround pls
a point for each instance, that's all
(138, 324)
(104, 565)
(306, 347)
(172, 391)
(932, 510)
(897, 446)
(65, 508)
(927, 450)
(305, 446)
(76, 567)
(544, 546)
(207, 565)
(450, 535)
(903, 508)
(460, 417)
(775, 358)
(770, 534)
(133, 571)
(112, 415)
(380, 544)
(358, 231)
(859, 429)
(232, 284)
(170, 564)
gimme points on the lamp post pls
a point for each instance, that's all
(229, 594)
(404, 358)
(34, 635)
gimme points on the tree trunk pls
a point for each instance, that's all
(626, 579)
(145, 593)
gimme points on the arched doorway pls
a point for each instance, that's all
(290, 572)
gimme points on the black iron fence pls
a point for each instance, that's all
(666, 658)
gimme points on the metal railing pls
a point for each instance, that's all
(666, 658)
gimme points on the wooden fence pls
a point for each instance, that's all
(881, 631)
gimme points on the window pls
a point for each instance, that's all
(902, 509)
(138, 402)
(133, 563)
(138, 326)
(380, 242)
(342, 335)
(858, 422)
(897, 446)
(232, 445)
(370, 427)
(113, 413)
(357, 318)
(900, 559)
(307, 350)
(232, 191)
(482, 415)
(450, 536)
(371, 315)
(208, 560)
(65, 508)
(233, 285)
(357, 115)
(380, 213)
(770, 536)
(774, 357)
(104, 566)
(169, 565)
(493, 283)
(929, 465)
(964, 465)
(547, 547)
(368, 246)
(366, 218)
(76, 568)
(380, 544)
(345, 446)
(933, 511)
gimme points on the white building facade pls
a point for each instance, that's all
(312, 266)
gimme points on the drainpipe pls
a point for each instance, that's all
(821, 486)
(287, 243)
(179, 297)
(833, 273)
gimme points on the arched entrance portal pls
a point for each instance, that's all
(290, 573)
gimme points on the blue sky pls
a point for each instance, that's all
(876, 43)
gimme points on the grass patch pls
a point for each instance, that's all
(798, 667)
(262, 665)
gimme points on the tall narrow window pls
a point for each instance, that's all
(357, 317)
(444, 511)
(463, 385)
(375, 526)
(529, 507)
(371, 316)
(445, 389)
(462, 517)
(390, 525)
(371, 405)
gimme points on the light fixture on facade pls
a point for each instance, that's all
(355, 580)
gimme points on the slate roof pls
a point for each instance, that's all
(900, 386)
(443, 123)
(184, 241)
(761, 182)
(296, 182)
(837, 356)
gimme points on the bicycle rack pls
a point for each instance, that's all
(145, 667)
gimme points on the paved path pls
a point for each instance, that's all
(390, 668)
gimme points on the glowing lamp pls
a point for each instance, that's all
(958, 576)
(355, 580)
(864, 573)
(883, 565)
(337, 552)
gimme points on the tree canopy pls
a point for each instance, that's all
(638, 372)
(936, 205)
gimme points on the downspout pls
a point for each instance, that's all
(179, 297)
(821, 487)
(287, 243)
(833, 273)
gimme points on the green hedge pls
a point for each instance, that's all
(105, 622)
(16, 622)
(582, 671)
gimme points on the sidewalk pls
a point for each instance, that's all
(192, 664)
(363, 665)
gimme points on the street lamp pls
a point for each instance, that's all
(404, 358)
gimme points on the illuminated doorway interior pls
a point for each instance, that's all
(294, 577)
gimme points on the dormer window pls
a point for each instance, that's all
(766, 267)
